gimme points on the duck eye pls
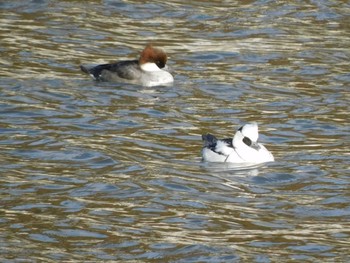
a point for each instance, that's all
(160, 64)
(247, 141)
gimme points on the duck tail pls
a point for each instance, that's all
(84, 69)
(209, 140)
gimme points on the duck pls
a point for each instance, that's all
(148, 70)
(242, 148)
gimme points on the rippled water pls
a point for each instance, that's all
(108, 171)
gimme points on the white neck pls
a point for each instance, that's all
(150, 67)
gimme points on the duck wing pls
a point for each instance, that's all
(219, 146)
(127, 69)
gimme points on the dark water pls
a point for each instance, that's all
(112, 172)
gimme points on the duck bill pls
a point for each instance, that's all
(255, 146)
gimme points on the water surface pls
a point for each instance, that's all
(112, 172)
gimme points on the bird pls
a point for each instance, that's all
(242, 148)
(148, 70)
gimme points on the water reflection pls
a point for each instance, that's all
(108, 171)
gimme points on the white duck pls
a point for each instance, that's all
(242, 148)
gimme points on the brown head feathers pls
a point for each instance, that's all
(153, 55)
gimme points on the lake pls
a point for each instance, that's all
(101, 171)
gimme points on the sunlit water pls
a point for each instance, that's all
(108, 171)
